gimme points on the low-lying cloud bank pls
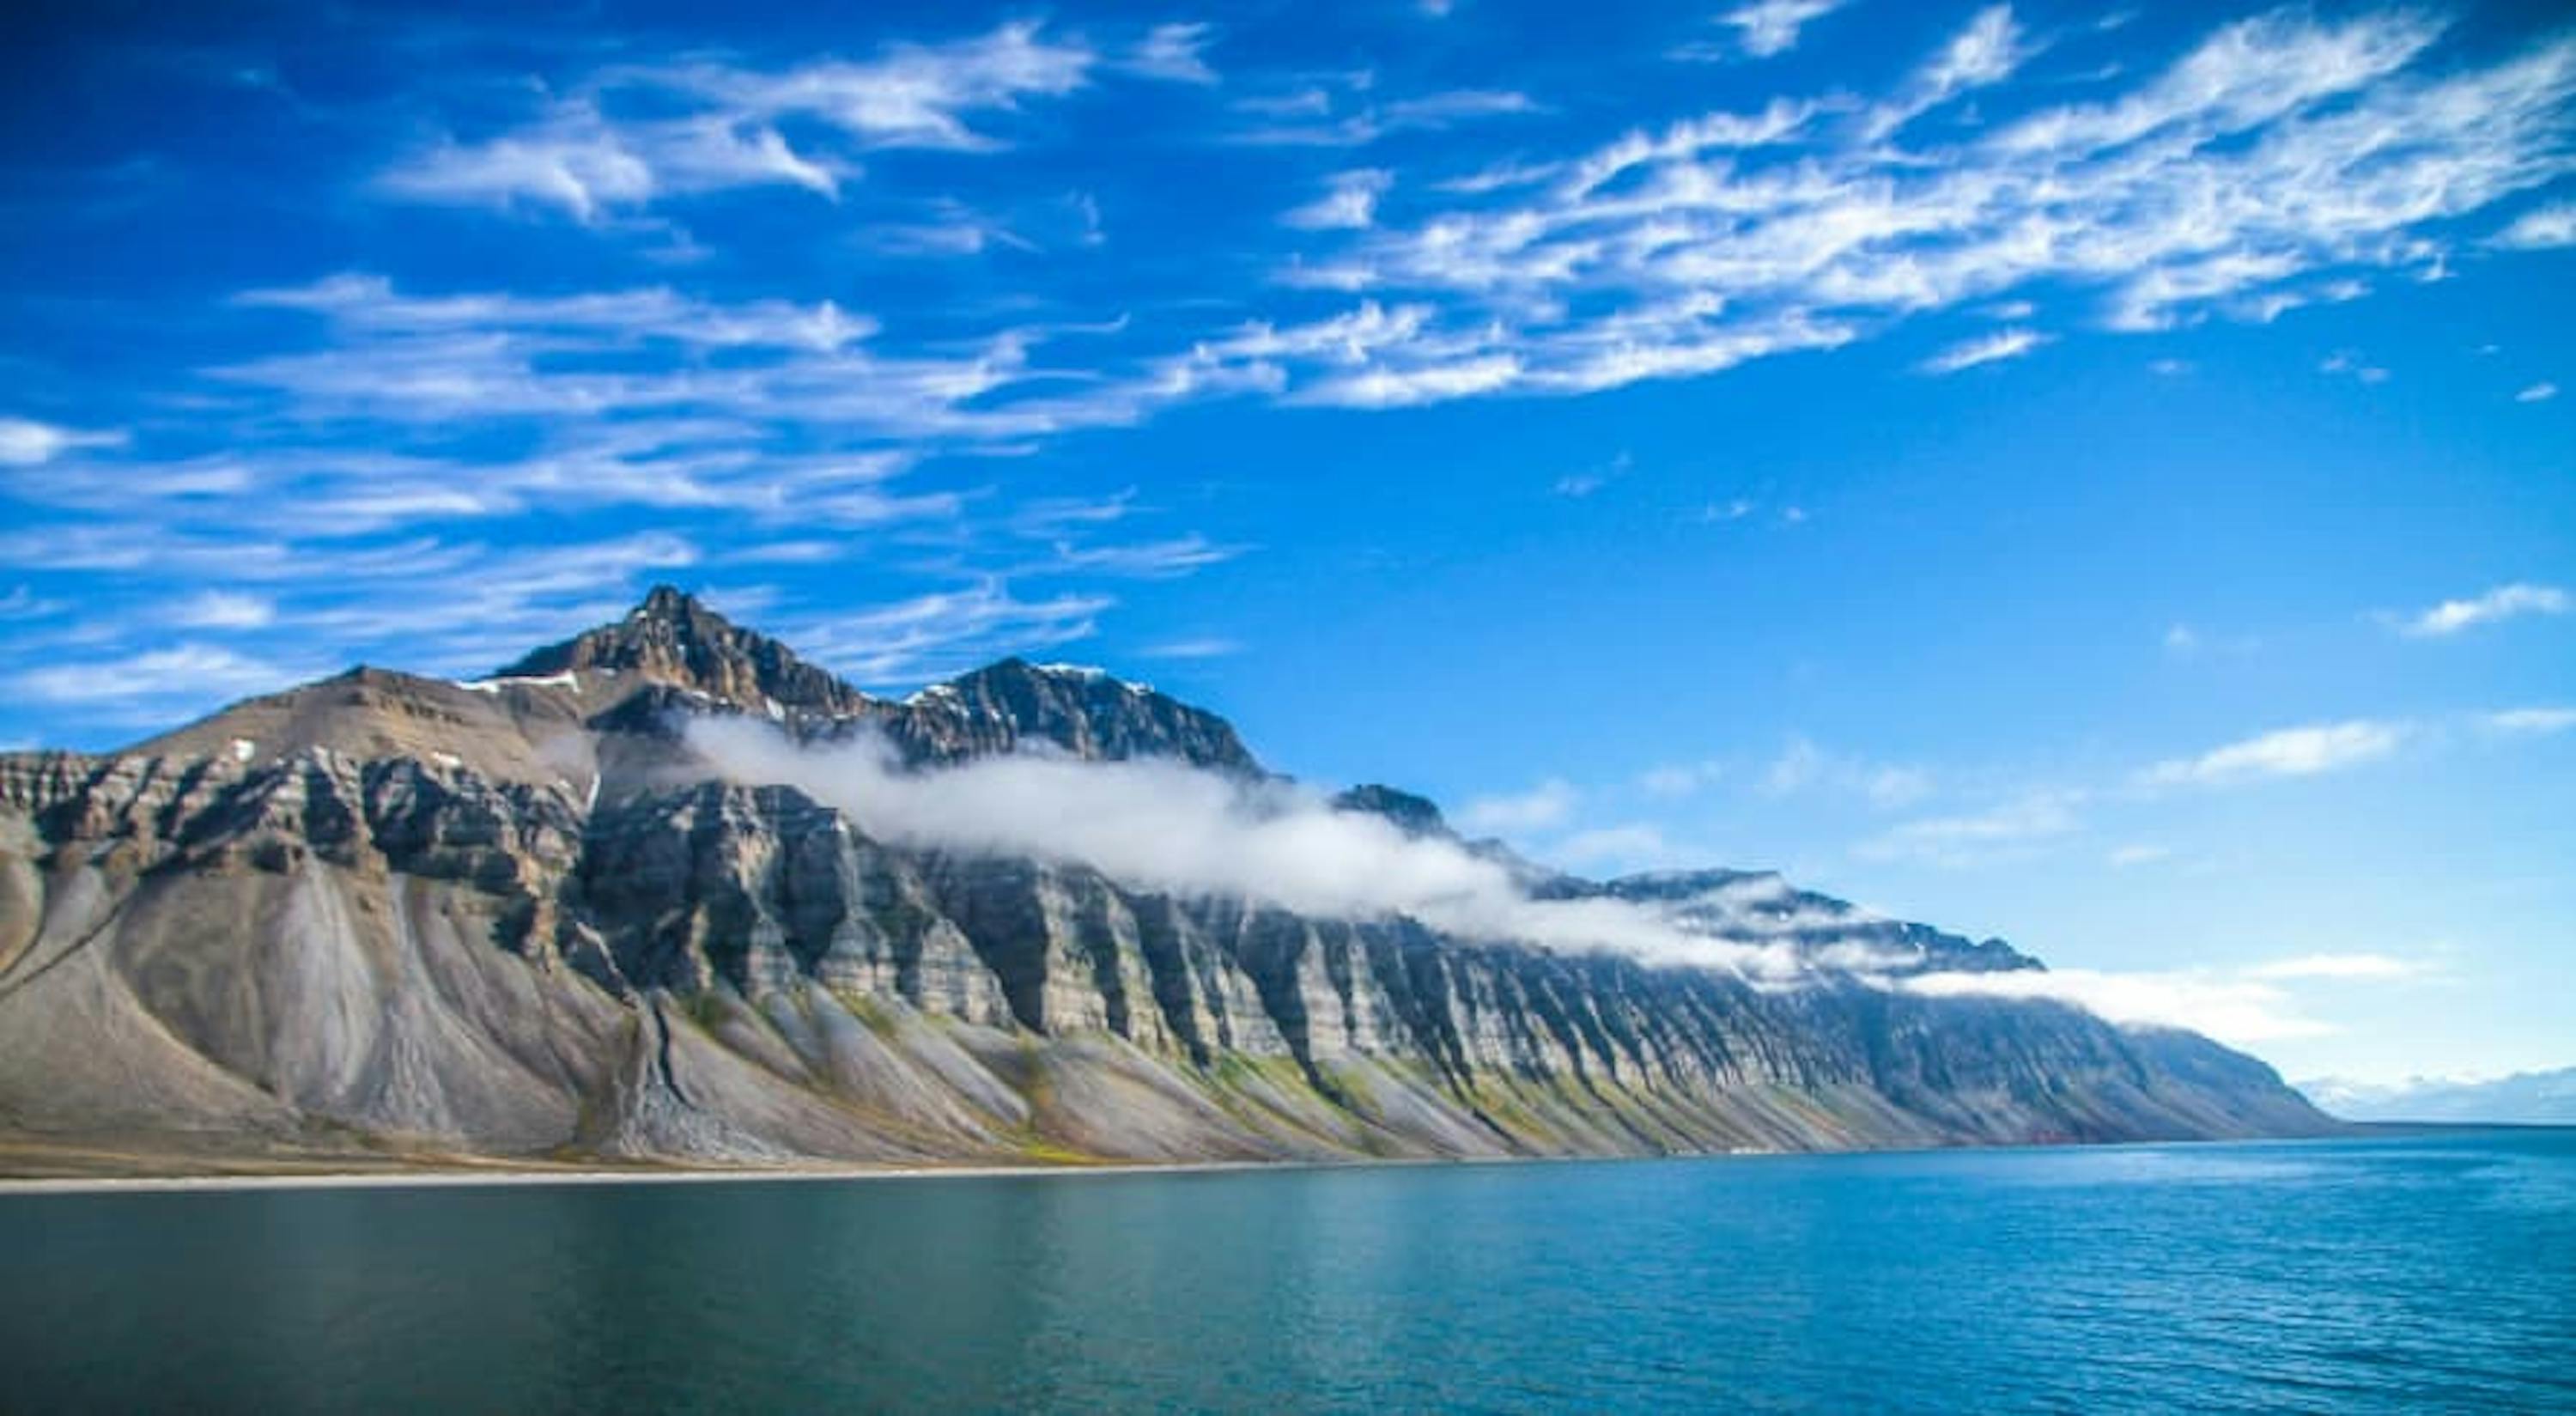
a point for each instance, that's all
(1161, 825)
(2244, 1005)
(2241, 1009)
(1165, 826)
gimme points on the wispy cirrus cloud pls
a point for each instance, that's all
(2541, 228)
(2245, 1007)
(1343, 111)
(719, 126)
(2252, 174)
(1802, 766)
(25, 442)
(2533, 722)
(2503, 602)
(946, 631)
(1349, 203)
(1994, 348)
(1175, 52)
(2004, 831)
(141, 682)
(1986, 52)
(224, 609)
(2307, 751)
(1204, 647)
(1764, 28)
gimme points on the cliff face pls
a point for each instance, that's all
(383, 913)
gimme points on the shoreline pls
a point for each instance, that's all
(458, 1177)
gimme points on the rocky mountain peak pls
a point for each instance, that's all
(1414, 815)
(1087, 712)
(672, 637)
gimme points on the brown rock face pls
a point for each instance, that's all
(384, 914)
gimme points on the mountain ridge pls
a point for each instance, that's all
(518, 916)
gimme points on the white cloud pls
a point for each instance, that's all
(2141, 853)
(1768, 27)
(2234, 81)
(1778, 122)
(1173, 52)
(2243, 1005)
(1440, 110)
(1977, 838)
(2254, 173)
(2541, 228)
(945, 631)
(2540, 392)
(2348, 361)
(1592, 479)
(947, 228)
(224, 609)
(430, 605)
(1986, 52)
(1802, 766)
(1542, 806)
(720, 127)
(1307, 117)
(180, 671)
(2239, 1010)
(1430, 383)
(1142, 560)
(2535, 722)
(2501, 603)
(23, 603)
(2290, 752)
(24, 442)
(1986, 349)
(1349, 203)
(1162, 825)
(1209, 647)
(436, 359)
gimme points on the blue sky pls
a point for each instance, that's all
(2092, 476)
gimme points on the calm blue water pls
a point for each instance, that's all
(2407, 1274)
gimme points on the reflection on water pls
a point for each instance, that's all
(2394, 1275)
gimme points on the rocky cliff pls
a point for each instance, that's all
(391, 916)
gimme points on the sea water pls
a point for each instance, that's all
(2423, 1272)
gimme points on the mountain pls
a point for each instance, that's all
(391, 919)
(2526, 1098)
